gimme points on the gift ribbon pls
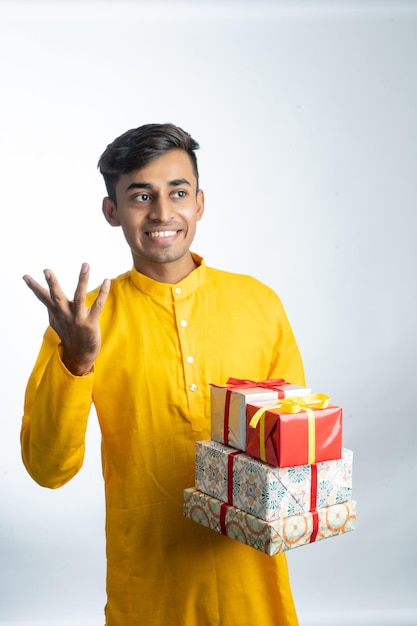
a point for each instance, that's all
(233, 384)
(274, 384)
(223, 511)
(313, 488)
(293, 405)
(226, 417)
(313, 502)
(315, 526)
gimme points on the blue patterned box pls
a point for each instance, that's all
(269, 492)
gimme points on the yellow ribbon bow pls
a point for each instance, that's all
(293, 405)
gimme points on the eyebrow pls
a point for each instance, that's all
(172, 183)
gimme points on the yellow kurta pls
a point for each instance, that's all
(162, 345)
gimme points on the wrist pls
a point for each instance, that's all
(76, 366)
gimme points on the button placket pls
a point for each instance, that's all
(186, 345)
(192, 369)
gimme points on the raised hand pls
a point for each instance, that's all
(75, 323)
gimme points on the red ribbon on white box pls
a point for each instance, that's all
(313, 502)
(234, 384)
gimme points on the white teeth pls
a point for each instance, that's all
(163, 233)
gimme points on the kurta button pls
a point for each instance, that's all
(183, 323)
(190, 359)
(177, 291)
(193, 387)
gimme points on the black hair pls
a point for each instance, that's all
(139, 146)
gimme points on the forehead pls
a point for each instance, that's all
(173, 165)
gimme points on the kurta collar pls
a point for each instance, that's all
(167, 291)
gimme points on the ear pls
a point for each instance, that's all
(200, 204)
(110, 212)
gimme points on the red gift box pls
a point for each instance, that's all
(295, 431)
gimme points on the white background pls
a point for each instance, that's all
(306, 116)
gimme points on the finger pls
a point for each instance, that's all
(99, 302)
(40, 292)
(58, 297)
(81, 289)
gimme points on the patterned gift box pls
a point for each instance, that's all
(228, 405)
(269, 537)
(270, 492)
(295, 431)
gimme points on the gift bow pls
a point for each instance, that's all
(240, 383)
(271, 383)
(293, 405)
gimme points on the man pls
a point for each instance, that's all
(144, 348)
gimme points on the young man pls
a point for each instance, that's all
(144, 348)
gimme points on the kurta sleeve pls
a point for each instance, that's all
(56, 410)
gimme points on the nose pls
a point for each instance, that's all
(161, 210)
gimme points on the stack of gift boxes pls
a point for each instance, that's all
(274, 475)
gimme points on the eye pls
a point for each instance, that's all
(142, 197)
(180, 193)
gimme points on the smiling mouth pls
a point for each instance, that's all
(161, 234)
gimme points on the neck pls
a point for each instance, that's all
(171, 273)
